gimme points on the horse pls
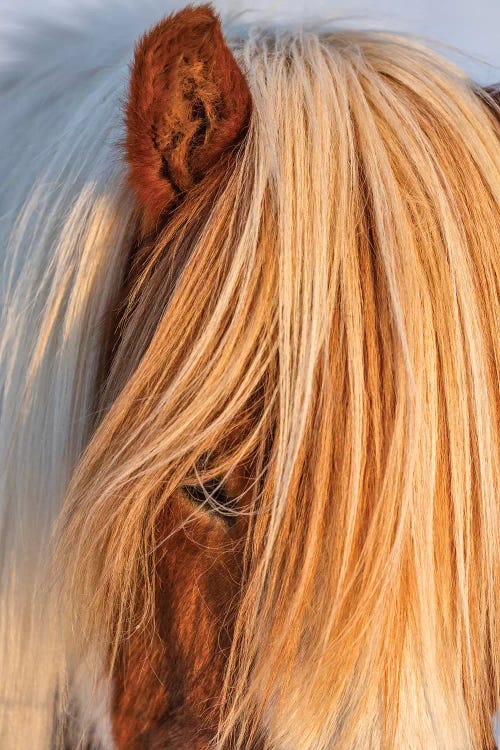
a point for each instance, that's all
(250, 401)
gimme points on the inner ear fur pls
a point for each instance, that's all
(188, 104)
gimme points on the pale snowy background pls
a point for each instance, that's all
(472, 26)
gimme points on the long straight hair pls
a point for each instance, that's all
(336, 305)
(66, 222)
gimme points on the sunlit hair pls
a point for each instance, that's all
(329, 317)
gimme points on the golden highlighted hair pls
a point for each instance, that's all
(330, 317)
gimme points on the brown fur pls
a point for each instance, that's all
(188, 103)
(169, 680)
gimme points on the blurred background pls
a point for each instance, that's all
(469, 26)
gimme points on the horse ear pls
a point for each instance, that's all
(188, 103)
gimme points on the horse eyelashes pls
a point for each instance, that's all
(223, 504)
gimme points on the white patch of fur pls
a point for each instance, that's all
(91, 701)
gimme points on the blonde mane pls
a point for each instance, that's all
(327, 317)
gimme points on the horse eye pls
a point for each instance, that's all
(214, 497)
